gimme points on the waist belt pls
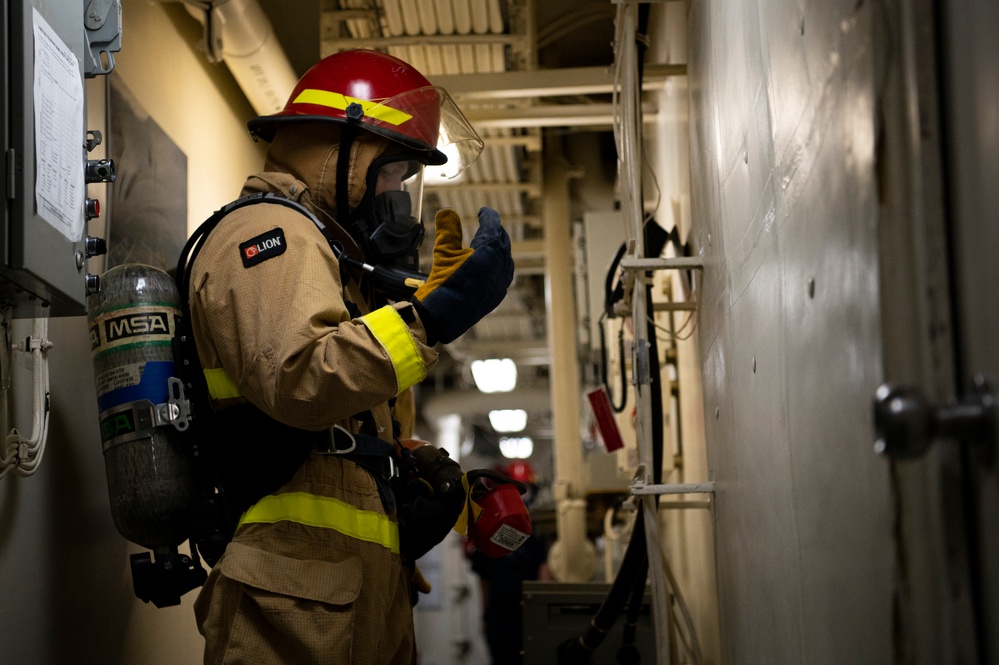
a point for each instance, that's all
(254, 456)
(368, 452)
(372, 454)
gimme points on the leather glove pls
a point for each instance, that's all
(464, 284)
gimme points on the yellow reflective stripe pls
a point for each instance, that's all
(325, 513)
(471, 512)
(335, 100)
(220, 386)
(394, 336)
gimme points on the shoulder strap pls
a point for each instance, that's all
(197, 239)
(236, 461)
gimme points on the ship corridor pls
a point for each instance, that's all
(803, 192)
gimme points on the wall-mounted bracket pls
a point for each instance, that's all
(102, 20)
(681, 263)
(638, 487)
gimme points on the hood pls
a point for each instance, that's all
(308, 151)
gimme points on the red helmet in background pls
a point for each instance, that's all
(521, 471)
(384, 95)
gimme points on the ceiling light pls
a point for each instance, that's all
(517, 447)
(444, 174)
(508, 420)
(495, 375)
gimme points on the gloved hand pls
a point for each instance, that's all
(464, 284)
(430, 497)
(425, 521)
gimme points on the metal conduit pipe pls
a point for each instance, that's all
(629, 140)
(239, 33)
(572, 558)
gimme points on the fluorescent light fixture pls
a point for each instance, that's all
(496, 375)
(519, 447)
(508, 420)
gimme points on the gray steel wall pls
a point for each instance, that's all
(785, 214)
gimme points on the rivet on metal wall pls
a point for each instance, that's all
(811, 287)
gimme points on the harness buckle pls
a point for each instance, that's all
(341, 442)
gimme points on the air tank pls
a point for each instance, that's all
(151, 487)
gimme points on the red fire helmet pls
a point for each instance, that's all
(386, 96)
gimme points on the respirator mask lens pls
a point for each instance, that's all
(397, 189)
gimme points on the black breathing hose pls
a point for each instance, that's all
(656, 390)
(632, 574)
(612, 294)
(618, 408)
(579, 650)
(628, 654)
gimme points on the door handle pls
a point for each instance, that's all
(906, 423)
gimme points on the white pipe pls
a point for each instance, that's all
(393, 17)
(480, 16)
(428, 16)
(24, 454)
(252, 53)
(572, 558)
(462, 18)
(445, 17)
(466, 58)
(254, 56)
(434, 63)
(410, 18)
(450, 57)
(495, 17)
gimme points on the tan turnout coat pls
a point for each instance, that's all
(314, 575)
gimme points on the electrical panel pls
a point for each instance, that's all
(48, 48)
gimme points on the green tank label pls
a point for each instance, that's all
(116, 425)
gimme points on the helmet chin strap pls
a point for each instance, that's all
(383, 229)
(357, 226)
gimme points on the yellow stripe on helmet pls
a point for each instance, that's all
(335, 100)
(325, 513)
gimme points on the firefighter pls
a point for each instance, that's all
(501, 580)
(308, 364)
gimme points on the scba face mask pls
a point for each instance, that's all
(390, 212)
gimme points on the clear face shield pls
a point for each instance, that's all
(395, 181)
(397, 198)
